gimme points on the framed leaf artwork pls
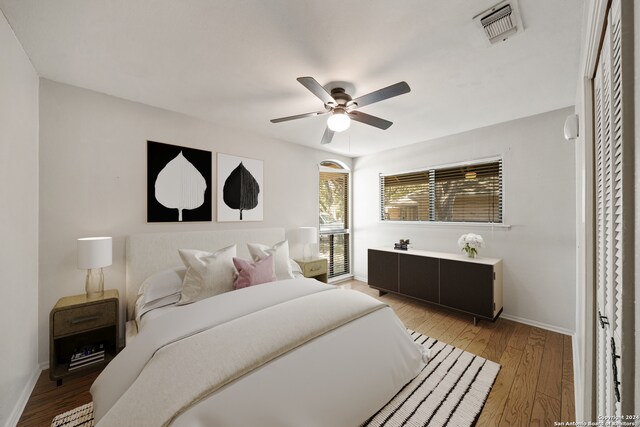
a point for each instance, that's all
(178, 183)
(240, 188)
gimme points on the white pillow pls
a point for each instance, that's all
(280, 252)
(208, 274)
(143, 308)
(295, 268)
(160, 285)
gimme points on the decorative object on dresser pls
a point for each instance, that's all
(469, 285)
(93, 254)
(316, 268)
(403, 245)
(178, 183)
(240, 188)
(470, 243)
(83, 333)
(307, 236)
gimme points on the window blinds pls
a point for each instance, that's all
(466, 193)
(334, 221)
(334, 201)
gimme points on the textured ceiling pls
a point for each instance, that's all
(236, 62)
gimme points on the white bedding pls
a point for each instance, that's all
(164, 298)
(337, 379)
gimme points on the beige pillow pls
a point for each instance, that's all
(208, 274)
(280, 252)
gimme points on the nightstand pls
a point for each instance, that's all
(314, 267)
(76, 323)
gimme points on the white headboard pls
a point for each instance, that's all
(152, 252)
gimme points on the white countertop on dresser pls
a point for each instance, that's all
(443, 255)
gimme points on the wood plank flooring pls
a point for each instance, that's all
(534, 386)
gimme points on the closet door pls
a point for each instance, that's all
(613, 186)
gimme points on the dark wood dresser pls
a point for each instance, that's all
(470, 285)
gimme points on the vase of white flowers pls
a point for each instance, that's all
(470, 243)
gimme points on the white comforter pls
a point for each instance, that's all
(337, 379)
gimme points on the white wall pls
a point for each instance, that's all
(93, 181)
(18, 225)
(539, 204)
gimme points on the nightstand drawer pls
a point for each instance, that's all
(84, 318)
(315, 268)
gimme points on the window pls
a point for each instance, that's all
(334, 218)
(462, 193)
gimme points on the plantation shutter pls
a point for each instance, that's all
(600, 247)
(615, 370)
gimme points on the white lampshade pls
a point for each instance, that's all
(338, 121)
(94, 252)
(308, 235)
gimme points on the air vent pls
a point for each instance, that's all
(500, 22)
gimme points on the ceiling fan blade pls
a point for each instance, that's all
(327, 137)
(381, 94)
(317, 89)
(368, 119)
(299, 116)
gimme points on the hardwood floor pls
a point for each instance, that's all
(534, 386)
(47, 400)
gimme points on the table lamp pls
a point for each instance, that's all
(93, 254)
(307, 236)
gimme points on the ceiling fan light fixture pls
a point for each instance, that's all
(338, 121)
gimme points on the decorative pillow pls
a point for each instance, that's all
(250, 273)
(280, 252)
(208, 274)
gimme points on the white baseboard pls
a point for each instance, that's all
(537, 324)
(578, 383)
(15, 415)
(364, 279)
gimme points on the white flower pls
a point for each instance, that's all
(471, 240)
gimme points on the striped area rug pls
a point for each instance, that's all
(450, 391)
(82, 416)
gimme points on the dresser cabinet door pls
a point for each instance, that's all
(467, 286)
(419, 277)
(383, 270)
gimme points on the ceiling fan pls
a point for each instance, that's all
(343, 108)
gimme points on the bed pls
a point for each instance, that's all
(288, 352)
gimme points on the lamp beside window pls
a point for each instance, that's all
(93, 254)
(307, 236)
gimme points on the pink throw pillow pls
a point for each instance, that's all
(254, 273)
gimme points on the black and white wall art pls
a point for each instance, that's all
(240, 188)
(178, 183)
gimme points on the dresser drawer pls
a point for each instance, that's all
(83, 318)
(315, 268)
